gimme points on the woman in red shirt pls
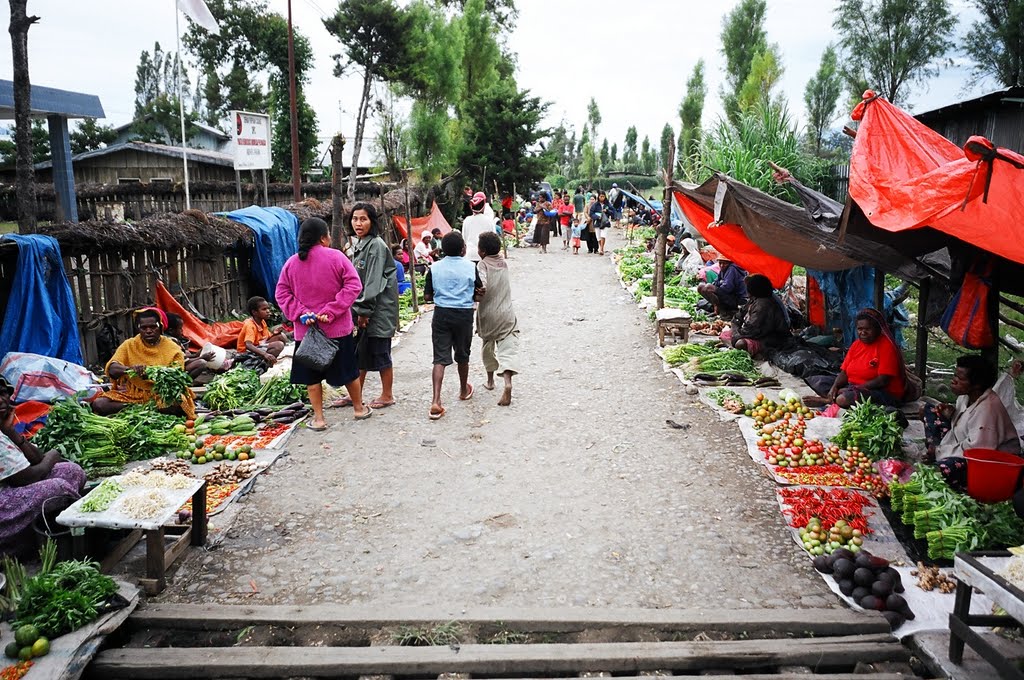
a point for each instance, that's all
(873, 367)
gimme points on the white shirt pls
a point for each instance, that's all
(12, 460)
(472, 227)
(985, 424)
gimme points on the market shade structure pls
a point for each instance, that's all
(434, 219)
(905, 176)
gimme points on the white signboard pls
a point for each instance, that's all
(252, 140)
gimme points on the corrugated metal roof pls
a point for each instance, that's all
(198, 155)
(46, 100)
(219, 134)
(1015, 94)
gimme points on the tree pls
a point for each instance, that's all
(893, 43)
(503, 13)
(605, 155)
(629, 155)
(25, 178)
(593, 118)
(996, 44)
(690, 112)
(615, 153)
(374, 34)
(481, 54)
(667, 137)
(391, 142)
(743, 37)
(647, 159)
(89, 136)
(509, 114)
(591, 164)
(821, 97)
(765, 73)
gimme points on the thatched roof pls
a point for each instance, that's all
(164, 231)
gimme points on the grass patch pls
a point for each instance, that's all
(504, 636)
(438, 634)
(8, 227)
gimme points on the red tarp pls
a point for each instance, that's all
(222, 334)
(434, 219)
(730, 241)
(903, 175)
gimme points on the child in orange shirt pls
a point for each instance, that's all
(255, 336)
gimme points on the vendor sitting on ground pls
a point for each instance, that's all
(30, 482)
(728, 293)
(128, 365)
(257, 347)
(762, 323)
(873, 367)
(690, 261)
(978, 420)
(196, 364)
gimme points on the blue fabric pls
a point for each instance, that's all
(403, 285)
(454, 281)
(41, 315)
(276, 239)
(847, 292)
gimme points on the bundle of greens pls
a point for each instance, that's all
(232, 389)
(63, 597)
(677, 355)
(150, 433)
(871, 429)
(170, 383)
(279, 390)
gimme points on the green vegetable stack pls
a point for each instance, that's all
(278, 391)
(170, 384)
(100, 499)
(871, 429)
(64, 598)
(232, 389)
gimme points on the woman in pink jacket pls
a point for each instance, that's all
(321, 281)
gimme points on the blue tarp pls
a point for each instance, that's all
(677, 214)
(41, 316)
(276, 239)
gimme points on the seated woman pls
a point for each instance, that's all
(30, 482)
(149, 348)
(690, 261)
(403, 283)
(195, 363)
(762, 323)
(873, 367)
(424, 251)
(979, 420)
(728, 293)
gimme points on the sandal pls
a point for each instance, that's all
(369, 412)
(343, 402)
(438, 416)
(377, 403)
(468, 396)
(318, 428)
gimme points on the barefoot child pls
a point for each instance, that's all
(452, 284)
(577, 231)
(255, 337)
(495, 317)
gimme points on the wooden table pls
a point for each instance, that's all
(972, 573)
(159, 556)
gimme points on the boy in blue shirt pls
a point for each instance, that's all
(452, 285)
(577, 232)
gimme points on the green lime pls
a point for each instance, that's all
(202, 460)
(41, 647)
(25, 654)
(11, 650)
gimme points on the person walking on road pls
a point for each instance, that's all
(476, 224)
(545, 219)
(600, 220)
(495, 318)
(317, 286)
(452, 284)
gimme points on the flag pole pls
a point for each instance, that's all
(181, 103)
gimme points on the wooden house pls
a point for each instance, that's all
(998, 116)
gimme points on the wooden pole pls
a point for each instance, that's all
(408, 245)
(880, 291)
(922, 330)
(338, 235)
(238, 188)
(266, 189)
(296, 170)
(663, 228)
(25, 176)
(992, 353)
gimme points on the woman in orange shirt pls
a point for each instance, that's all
(873, 367)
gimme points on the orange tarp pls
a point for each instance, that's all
(434, 219)
(903, 175)
(730, 241)
(222, 334)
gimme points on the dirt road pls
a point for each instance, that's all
(577, 494)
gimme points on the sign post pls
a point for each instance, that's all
(252, 140)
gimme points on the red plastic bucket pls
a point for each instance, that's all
(992, 476)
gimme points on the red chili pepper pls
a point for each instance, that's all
(828, 505)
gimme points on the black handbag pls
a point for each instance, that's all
(316, 351)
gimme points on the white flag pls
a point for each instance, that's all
(197, 11)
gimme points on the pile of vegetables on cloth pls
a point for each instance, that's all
(870, 428)
(59, 599)
(869, 581)
(103, 444)
(709, 366)
(952, 522)
(708, 327)
(240, 389)
(827, 518)
(729, 401)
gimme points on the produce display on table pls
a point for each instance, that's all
(232, 389)
(827, 518)
(261, 440)
(952, 522)
(216, 496)
(870, 428)
(103, 444)
(869, 581)
(102, 496)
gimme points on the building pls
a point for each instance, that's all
(998, 116)
(130, 162)
(202, 137)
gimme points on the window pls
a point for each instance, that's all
(128, 180)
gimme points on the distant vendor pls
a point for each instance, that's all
(126, 369)
(30, 482)
(873, 367)
(729, 291)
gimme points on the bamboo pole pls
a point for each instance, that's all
(663, 228)
(922, 330)
(408, 246)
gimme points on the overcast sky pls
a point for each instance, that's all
(633, 57)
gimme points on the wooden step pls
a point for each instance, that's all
(838, 653)
(816, 622)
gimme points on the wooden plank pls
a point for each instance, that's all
(122, 548)
(156, 568)
(273, 662)
(570, 619)
(180, 545)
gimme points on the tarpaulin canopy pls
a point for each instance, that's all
(730, 241)
(428, 222)
(903, 176)
(222, 334)
(276, 239)
(41, 316)
(658, 206)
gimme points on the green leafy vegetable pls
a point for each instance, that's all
(65, 598)
(170, 384)
(232, 389)
(872, 429)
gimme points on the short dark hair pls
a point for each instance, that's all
(980, 371)
(254, 303)
(174, 321)
(453, 244)
(759, 286)
(490, 243)
(435, 231)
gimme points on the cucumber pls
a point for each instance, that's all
(199, 419)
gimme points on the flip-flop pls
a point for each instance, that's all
(369, 412)
(342, 402)
(438, 416)
(468, 396)
(318, 428)
(377, 403)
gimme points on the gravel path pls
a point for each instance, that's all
(578, 494)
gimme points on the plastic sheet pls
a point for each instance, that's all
(276, 239)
